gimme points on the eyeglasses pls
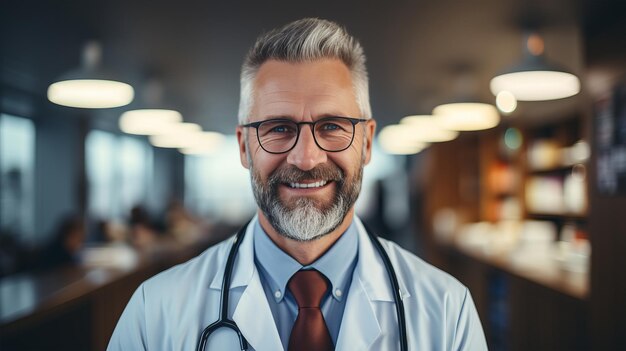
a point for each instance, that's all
(332, 134)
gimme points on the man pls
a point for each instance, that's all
(306, 275)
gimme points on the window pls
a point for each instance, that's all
(217, 186)
(118, 173)
(17, 166)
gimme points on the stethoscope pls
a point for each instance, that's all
(225, 322)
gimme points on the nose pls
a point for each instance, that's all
(306, 155)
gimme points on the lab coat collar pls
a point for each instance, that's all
(252, 309)
(371, 270)
(244, 267)
(360, 326)
(255, 319)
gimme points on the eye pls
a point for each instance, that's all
(277, 128)
(282, 128)
(329, 126)
(333, 125)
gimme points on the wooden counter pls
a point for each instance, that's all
(521, 306)
(77, 308)
(547, 274)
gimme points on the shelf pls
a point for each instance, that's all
(552, 170)
(551, 276)
(504, 195)
(553, 216)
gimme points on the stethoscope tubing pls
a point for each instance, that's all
(224, 321)
(395, 286)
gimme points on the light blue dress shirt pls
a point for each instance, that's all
(276, 268)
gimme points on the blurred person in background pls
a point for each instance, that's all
(306, 274)
(12, 255)
(181, 224)
(65, 246)
(142, 233)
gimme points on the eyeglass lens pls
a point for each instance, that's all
(331, 134)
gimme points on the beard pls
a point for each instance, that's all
(305, 218)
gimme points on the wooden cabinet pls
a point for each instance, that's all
(523, 180)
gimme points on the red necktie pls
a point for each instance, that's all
(309, 332)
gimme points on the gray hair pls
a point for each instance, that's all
(306, 40)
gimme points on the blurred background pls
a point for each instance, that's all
(500, 155)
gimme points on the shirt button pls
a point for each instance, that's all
(338, 293)
(278, 294)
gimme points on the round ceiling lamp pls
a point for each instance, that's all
(176, 136)
(535, 79)
(89, 86)
(149, 121)
(425, 128)
(466, 116)
(203, 143)
(152, 120)
(399, 140)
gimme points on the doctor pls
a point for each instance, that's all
(306, 275)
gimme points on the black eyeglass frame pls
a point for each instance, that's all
(256, 125)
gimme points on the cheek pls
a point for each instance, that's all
(354, 155)
(264, 164)
(349, 161)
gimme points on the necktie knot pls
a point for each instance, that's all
(308, 288)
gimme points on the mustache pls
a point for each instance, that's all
(292, 174)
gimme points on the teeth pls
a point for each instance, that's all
(309, 185)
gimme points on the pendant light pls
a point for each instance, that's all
(466, 112)
(425, 128)
(203, 143)
(89, 86)
(535, 79)
(467, 116)
(397, 139)
(177, 136)
(189, 139)
(152, 119)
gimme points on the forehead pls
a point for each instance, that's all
(305, 89)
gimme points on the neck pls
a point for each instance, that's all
(309, 251)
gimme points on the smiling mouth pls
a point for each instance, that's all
(318, 184)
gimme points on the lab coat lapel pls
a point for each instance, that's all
(252, 314)
(361, 323)
(254, 317)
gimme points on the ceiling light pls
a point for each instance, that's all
(89, 86)
(203, 143)
(506, 102)
(177, 136)
(151, 120)
(148, 121)
(466, 116)
(425, 128)
(398, 140)
(534, 79)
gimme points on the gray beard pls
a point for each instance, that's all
(306, 219)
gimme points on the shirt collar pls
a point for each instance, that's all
(337, 264)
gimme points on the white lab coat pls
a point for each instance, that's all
(170, 310)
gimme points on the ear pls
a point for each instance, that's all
(242, 147)
(370, 130)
